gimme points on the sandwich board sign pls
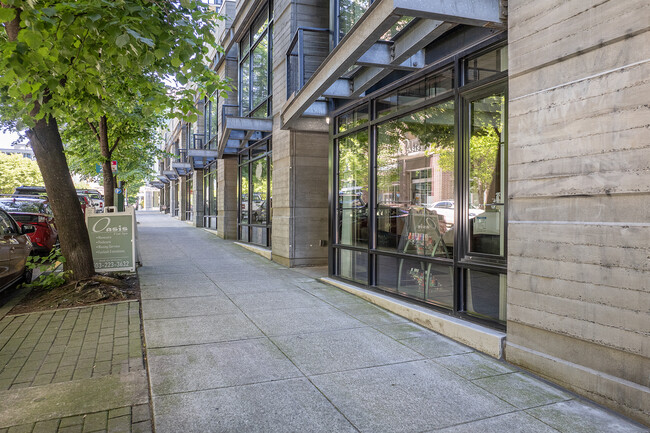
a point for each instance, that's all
(112, 239)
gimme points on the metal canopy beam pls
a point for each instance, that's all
(163, 179)
(341, 88)
(377, 20)
(473, 12)
(203, 153)
(379, 17)
(408, 50)
(242, 129)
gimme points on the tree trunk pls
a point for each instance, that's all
(73, 235)
(109, 185)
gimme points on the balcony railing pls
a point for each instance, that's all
(307, 50)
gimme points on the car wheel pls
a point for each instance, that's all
(27, 276)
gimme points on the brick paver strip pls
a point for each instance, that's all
(52, 347)
(120, 420)
(72, 398)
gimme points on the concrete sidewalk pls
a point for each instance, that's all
(237, 343)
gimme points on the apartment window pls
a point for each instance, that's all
(255, 54)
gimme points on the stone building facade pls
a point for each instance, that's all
(484, 163)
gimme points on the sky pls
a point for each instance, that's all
(6, 139)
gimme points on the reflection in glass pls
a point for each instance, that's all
(415, 182)
(352, 209)
(353, 265)
(429, 282)
(349, 13)
(353, 118)
(488, 64)
(486, 295)
(486, 191)
(214, 119)
(260, 89)
(245, 87)
(243, 198)
(259, 213)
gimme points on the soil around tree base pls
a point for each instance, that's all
(104, 288)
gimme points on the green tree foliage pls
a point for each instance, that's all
(65, 61)
(16, 170)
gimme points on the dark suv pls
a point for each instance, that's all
(30, 190)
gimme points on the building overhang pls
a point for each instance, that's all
(157, 184)
(182, 168)
(375, 59)
(163, 179)
(202, 157)
(239, 131)
(170, 174)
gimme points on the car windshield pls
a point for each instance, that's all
(95, 196)
(26, 206)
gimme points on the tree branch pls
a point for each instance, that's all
(12, 27)
(115, 145)
(94, 129)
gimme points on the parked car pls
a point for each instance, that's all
(15, 247)
(96, 198)
(37, 212)
(84, 202)
(446, 209)
(30, 190)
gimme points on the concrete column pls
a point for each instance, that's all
(173, 196)
(227, 206)
(300, 158)
(183, 205)
(199, 211)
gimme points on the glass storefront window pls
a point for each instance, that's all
(486, 295)
(486, 180)
(259, 213)
(421, 280)
(486, 65)
(353, 189)
(243, 197)
(432, 86)
(415, 182)
(255, 181)
(437, 189)
(353, 265)
(353, 118)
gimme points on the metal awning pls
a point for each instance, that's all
(182, 168)
(239, 131)
(375, 59)
(202, 157)
(157, 184)
(170, 174)
(163, 179)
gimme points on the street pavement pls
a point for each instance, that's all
(238, 343)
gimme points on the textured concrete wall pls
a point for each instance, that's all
(227, 205)
(199, 209)
(579, 176)
(299, 158)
